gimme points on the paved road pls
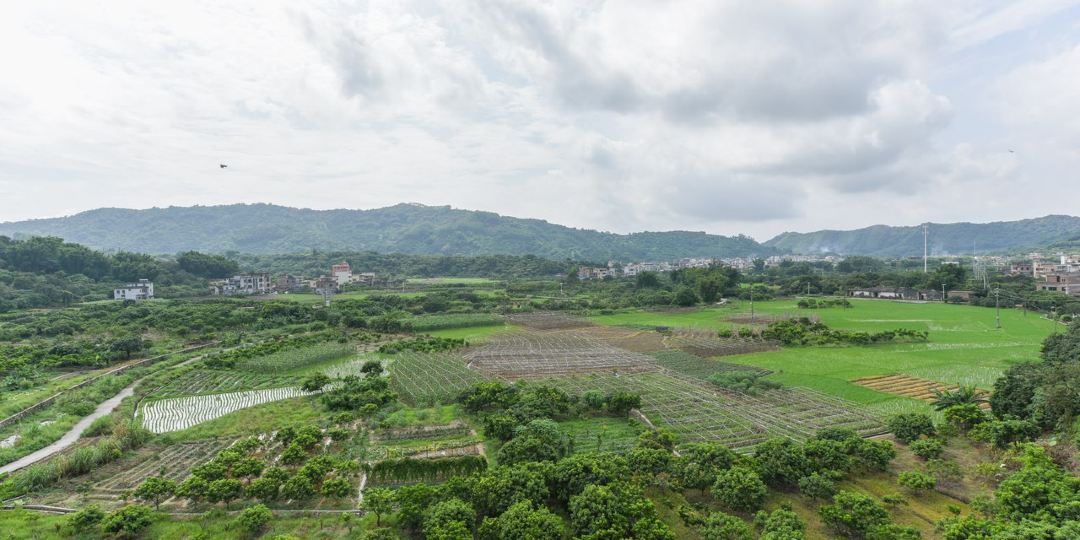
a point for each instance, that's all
(73, 434)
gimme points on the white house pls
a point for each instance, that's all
(341, 273)
(243, 284)
(142, 290)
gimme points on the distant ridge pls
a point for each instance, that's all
(945, 239)
(403, 228)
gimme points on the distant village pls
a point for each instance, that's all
(1060, 274)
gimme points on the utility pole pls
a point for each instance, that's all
(751, 303)
(943, 292)
(997, 307)
(925, 233)
(807, 288)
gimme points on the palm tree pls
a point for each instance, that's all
(963, 395)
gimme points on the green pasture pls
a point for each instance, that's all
(474, 335)
(451, 281)
(965, 346)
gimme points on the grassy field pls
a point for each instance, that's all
(474, 335)
(602, 434)
(965, 347)
(451, 281)
(296, 412)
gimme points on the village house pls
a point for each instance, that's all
(1062, 283)
(342, 273)
(242, 284)
(143, 290)
(287, 283)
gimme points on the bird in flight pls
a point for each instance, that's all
(222, 165)
(1011, 151)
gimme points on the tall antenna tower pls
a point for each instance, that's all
(925, 234)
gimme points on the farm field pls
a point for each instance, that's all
(176, 414)
(964, 345)
(211, 381)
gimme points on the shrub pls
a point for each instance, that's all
(908, 427)
(817, 486)
(916, 481)
(336, 488)
(928, 448)
(86, 519)
(254, 519)
(853, 514)
(721, 526)
(739, 488)
(782, 524)
(964, 416)
(128, 521)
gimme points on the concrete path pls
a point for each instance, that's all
(73, 434)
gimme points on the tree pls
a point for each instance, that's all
(817, 485)
(963, 395)
(781, 524)
(620, 403)
(379, 501)
(853, 514)
(781, 462)
(524, 521)
(614, 511)
(721, 526)
(927, 448)
(908, 427)
(127, 345)
(155, 490)
(86, 519)
(916, 481)
(128, 521)
(206, 266)
(194, 488)
(685, 297)
(336, 488)
(254, 519)
(539, 440)
(247, 467)
(444, 514)
(647, 280)
(1014, 391)
(224, 490)
(315, 383)
(372, 368)
(739, 488)
(264, 489)
(298, 488)
(965, 416)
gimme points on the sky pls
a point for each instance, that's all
(726, 116)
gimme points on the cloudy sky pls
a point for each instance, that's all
(724, 116)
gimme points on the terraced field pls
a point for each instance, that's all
(427, 379)
(532, 354)
(174, 463)
(211, 381)
(907, 386)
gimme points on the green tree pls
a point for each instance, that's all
(721, 526)
(444, 514)
(927, 448)
(817, 485)
(916, 481)
(264, 489)
(128, 521)
(372, 368)
(155, 490)
(315, 383)
(254, 519)
(685, 297)
(963, 395)
(336, 488)
(194, 488)
(206, 266)
(298, 488)
(739, 488)
(379, 501)
(225, 490)
(853, 514)
(86, 519)
(781, 461)
(908, 427)
(524, 521)
(781, 524)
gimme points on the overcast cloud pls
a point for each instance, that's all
(725, 116)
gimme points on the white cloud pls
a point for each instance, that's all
(729, 116)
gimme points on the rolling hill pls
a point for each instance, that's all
(404, 228)
(945, 239)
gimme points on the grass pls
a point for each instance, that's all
(602, 434)
(452, 281)
(427, 416)
(296, 412)
(474, 335)
(965, 346)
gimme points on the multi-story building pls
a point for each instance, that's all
(341, 272)
(242, 284)
(143, 290)
(1068, 283)
(286, 283)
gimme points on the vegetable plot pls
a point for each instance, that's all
(176, 414)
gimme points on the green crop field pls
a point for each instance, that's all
(965, 347)
(452, 281)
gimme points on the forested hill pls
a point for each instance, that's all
(404, 228)
(945, 239)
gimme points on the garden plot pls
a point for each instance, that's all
(426, 378)
(352, 367)
(746, 318)
(175, 414)
(174, 463)
(708, 344)
(910, 387)
(643, 340)
(211, 381)
(530, 354)
(697, 412)
(697, 367)
(546, 320)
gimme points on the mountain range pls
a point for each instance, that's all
(943, 239)
(403, 228)
(441, 230)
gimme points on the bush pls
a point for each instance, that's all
(817, 486)
(1002, 433)
(739, 488)
(86, 519)
(254, 519)
(128, 521)
(928, 448)
(965, 416)
(853, 514)
(721, 526)
(908, 427)
(916, 481)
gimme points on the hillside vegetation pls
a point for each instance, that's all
(404, 228)
(945, 239)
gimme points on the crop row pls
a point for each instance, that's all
(174, 463)
(544, 354)
(292, 359)
(546, 320)
(424, 378)
(709, 344)
(213, 381)
(175, 414)
(697, 367)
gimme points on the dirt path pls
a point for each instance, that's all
(73, 434)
